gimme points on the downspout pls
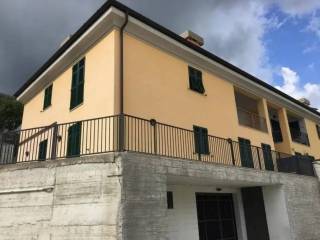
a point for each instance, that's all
(122, 117)
(121, 63)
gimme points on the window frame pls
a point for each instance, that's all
(201, 140)
(246, 154)
(43, 150)
(170, 204)
(196, 80)
(77, 84)
(74, 140)
(318, 130)
(267, 156)
(47, 98)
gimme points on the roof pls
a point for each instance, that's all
(163, 30)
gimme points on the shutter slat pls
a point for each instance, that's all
(77, 88)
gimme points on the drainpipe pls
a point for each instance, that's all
(121, 62)
(122, 117)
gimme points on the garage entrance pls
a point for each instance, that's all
(216, 218)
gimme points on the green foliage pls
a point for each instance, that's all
(10, 113)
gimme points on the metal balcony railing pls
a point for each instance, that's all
(250, 119)
(129, 133)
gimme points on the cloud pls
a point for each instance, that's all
(290, 81)
(31, 31)
(314, 25)
(292, 86)
(234, 30)
(298, 7)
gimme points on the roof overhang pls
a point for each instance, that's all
(53, 68)
(112, 15)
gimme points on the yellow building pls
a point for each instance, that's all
(123, 83)
(141, 69)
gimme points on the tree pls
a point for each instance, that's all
(10, 113)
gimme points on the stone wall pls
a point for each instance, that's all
(146, 179)
(67, 199)
(123, 196)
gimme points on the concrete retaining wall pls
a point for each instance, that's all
(148, 176)
(123, 196)
(68, 199)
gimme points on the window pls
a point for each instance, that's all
(77, 86)
(201, 140)
(42, 155)
(195, 80)
(47, 97)
(246, 153)
(74, 140)
(267, 156)
(170, 200)
(318, 130)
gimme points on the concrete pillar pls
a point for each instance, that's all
(276, 212)
(286, 145)
(144, 199)
(263, 111)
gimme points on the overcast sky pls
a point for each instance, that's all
(276, 40)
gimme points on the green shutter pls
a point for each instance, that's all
(74, 140)
(47, 97)
(196, 138)
(267, 156)
(42, 155)
(318, 130)
(77, 86)
(201, 140)
(195, 80)
(245, 153)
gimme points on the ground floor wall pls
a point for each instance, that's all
(124, 196)
(60, 200)
(292, 202)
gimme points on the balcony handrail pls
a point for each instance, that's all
(254, 118)
(102, 135)
(38, 133)
(250, 112)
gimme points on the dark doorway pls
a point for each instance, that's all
(276, 131)
(255, 214)
(216, 217)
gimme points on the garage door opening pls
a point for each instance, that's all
(216, 217)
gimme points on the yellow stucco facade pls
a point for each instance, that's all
(156, 86)
(99, 89)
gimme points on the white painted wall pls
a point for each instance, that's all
(317, 169)
(276, 211)
(183, 220)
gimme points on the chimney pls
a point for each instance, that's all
(305, 101)
(193, 38)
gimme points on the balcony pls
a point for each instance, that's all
(252, 120)
(298, 129)
(133, 134)
(277, 136)
(300, 137)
